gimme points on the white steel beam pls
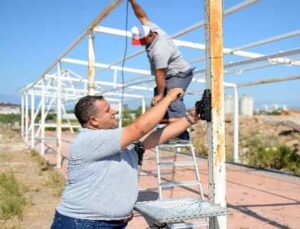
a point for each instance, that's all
(193, 27)
(106, 66)
(269, 40)
(26, 118)
(276, 58)
(91, 64)
(58, 118)
(22, 115)
(90, 27)
(32, 121)
(181, 43)
(274, 80)
(43, 117)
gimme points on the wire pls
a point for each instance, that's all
(125, 52)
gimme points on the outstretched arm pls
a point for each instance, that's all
(170, 131)
(148, 120)
(139, 12)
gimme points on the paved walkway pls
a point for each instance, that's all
(258, 199)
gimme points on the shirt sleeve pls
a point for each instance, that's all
(155, 28)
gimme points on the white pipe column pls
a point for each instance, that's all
(43, 119)
(26, 117)
(58, 117)
(32, 122)
(236, 126)
(115, 78)
(143, 105)
(216, 128)
(120, 114)
(22, 115)
(91, 63)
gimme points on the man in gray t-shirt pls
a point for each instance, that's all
(102, 185)
(166, 62)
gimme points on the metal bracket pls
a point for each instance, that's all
(203, 107)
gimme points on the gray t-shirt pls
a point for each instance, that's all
(163, 53)
(102, 180)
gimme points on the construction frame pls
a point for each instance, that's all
(57, 86)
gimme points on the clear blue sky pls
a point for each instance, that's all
(35, 32)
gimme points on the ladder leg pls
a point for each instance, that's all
(158, 172)
(197, 172)
(174, 170)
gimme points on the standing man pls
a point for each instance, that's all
(102, 184)
(166, 62)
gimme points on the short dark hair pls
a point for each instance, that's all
(85, 108)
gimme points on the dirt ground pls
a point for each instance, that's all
(277, 127)
(41, 199)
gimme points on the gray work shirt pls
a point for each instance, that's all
(102, 180)
(163, 53)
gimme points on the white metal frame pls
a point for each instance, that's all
(58, 86)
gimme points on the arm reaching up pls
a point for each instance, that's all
(145, 123)
(170, 131)
(139, 12)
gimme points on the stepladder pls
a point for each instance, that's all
(180, 200)
(177, 168)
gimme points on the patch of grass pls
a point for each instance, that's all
(52, 178)
(11, 199)
(10, 118)
(55, 180)
(200, 146)
(266, 152)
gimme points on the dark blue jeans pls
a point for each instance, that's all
(64, 222)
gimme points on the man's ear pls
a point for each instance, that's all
(92, 121)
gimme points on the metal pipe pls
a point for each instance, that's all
(22, 115)
(91, 26)
(236, 125)
(43, 119)
(68, 121)
(191, 28)
(293, 77)
(91, 64)
(26, 117)
(269, 40)
(216, 128)
(106, 66)
(275, 56)
(58, 118)
(32, 120)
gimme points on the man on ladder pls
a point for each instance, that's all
(166, 62)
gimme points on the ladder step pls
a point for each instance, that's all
(187, 225)
(183, 163)
(179, 184)
(175, 145)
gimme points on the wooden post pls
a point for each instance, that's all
(216, 128)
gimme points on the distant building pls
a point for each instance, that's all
(246, 105)
(9, 108)
(228, 104)
(269, 108)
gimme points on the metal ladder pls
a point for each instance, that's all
(193, 162)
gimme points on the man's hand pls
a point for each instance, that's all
(175, 93)
(156, 99)
(193, 115)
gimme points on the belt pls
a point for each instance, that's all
(119, 221)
